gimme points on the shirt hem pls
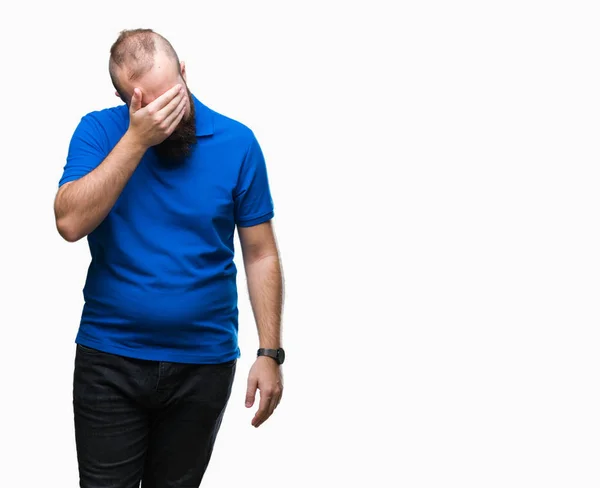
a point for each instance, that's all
(68, 179)
(256, 220)
(149, 355)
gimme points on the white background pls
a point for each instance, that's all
(434, 167)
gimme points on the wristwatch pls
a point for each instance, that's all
(277, 354)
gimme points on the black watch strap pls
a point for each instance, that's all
(277, 354)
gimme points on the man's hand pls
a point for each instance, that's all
(265, 375)
(155, 122)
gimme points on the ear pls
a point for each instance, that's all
(182, 70)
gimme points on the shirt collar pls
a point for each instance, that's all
(204, 118)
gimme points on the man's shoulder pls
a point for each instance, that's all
(230, 127)
(107, 119)
(107, 122)
(103, 127)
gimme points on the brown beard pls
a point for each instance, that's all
(178, 146)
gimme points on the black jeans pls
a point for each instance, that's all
(146, 421)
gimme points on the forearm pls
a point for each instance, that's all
(265, 287)
(83, 204)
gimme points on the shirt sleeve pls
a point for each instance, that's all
(253, 204)
(86, 150)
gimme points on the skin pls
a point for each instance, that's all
(156, 106)
(157, 103)
(265, 287)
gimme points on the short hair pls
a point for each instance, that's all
(134, 51)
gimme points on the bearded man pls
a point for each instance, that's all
(159, 185)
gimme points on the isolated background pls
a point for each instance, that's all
(434, 167)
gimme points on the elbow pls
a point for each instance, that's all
(66, 223)
(68, 230)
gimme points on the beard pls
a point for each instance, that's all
(174, 150)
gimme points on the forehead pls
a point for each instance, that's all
(163, 75)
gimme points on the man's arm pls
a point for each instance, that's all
(265, 287)
(81, 205)
(265, 281)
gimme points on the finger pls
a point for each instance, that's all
(175, 115)
(251, 392)
(136, 101)
(272, 406)
(263, 410)
(275, 401)
(164, 99)
(172, 106)
(173, 126)
(279, 398)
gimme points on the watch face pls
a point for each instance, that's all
(281, 356)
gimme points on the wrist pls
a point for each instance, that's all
(134, 143)
(267, 359)
(277, 354)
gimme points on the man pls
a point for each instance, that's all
(158, 186)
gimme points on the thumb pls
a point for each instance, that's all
(136, 101)
(251, 391)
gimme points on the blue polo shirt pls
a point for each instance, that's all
(161, 284)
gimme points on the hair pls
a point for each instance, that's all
(134, 51)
